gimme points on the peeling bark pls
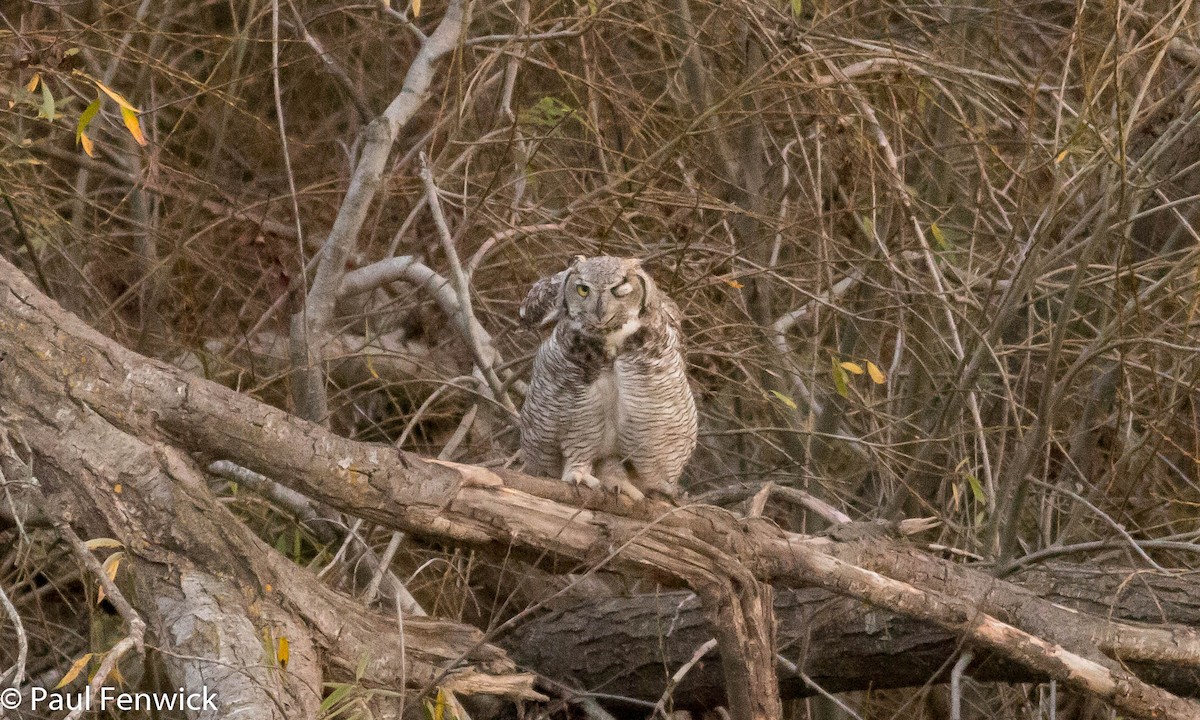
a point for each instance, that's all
(65, 370)
(635, 643)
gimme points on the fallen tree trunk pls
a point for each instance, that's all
(52, 357)
(212, 590)
(840, 643)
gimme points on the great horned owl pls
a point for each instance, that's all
(609, 403)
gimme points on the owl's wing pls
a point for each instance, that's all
(547, 406)
(671, 313)
(542, 305)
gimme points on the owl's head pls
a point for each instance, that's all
(606, 294)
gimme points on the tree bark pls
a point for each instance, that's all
(56, 370)
(636, 643)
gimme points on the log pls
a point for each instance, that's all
(51, 356)
(630, 646)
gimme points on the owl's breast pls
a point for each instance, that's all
(604, 397)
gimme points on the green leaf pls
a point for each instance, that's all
(47, 108)
(332, 699)
(784, 399)
(797, 8)
(547, 112)
(840, 381)
(976, 488)
(868, 225)
(86, 117)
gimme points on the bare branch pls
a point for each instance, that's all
(310, 327)
(481, 349)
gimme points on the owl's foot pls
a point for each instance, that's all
(580, 476)
(669, 497)
(622, 486)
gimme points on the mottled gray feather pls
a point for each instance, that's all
(609, 401)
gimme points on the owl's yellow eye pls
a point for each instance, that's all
(583, 290)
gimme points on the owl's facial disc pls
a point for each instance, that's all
(616, 312)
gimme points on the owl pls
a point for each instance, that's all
(608, 403)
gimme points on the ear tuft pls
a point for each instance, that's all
(543, 304)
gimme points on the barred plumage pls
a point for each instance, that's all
(609, 403)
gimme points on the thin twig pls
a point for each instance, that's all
(956, 676)
(18, 669)
(485, 354)
(794, 669)
(134, 640)
(660, 707)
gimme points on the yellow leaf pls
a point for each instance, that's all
(877, 375)
(97, 543)
(89, 147)
(416, 6)
(76, 668)
(1062, 155)
(734, 284)
(439, 706)
(784, 399)
(135, 128)
(110, 569)
(117, 489)
(939, 237)
(33, 82)
(283, 653)
(117, 97)
(852, 367)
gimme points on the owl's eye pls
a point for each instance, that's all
(622, 290)
(583, 290)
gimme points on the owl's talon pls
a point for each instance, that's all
(579, 477)
(622, 486)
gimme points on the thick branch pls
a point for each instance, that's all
(310, 328)
(55, 354)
